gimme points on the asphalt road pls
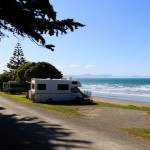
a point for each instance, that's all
(24, 127)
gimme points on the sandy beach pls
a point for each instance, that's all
(121, 102)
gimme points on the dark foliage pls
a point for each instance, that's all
(5, 77)
(33, 18)
(36, 70)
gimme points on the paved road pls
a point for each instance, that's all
(26, 127)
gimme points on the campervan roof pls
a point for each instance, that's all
(75, 83)
(12, 82)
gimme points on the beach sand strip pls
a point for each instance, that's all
(121, 102)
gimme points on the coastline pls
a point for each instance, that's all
(121, 102)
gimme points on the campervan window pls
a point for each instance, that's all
(74, 82)
(63, 87)
(73, 90)
(15, 85)
(41, 86)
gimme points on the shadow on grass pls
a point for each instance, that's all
(70, 103)
(31, 134)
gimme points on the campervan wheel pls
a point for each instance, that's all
(79, 99)
(50, 100)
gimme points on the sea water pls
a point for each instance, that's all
(135, 89)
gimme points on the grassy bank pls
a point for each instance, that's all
(138, 132)
(63, 108)
(70, 108)
(132, 107)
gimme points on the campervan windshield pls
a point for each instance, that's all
(76, 90)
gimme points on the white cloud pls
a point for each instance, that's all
(90, 66)
(3, 67)
(74, 66)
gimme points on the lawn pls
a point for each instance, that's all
(132, 107)
(70, 108)
(139, 132)
(61, 108)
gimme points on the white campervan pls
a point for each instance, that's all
(48, 90)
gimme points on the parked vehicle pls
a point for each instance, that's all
(14, 87)
(48, 90)
(5, 87)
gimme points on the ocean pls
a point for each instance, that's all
(134, 89)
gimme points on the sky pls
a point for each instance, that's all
(115, 40)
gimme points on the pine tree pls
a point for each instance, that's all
(17, 59)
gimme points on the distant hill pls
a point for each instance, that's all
(104, 76)
(89, 76)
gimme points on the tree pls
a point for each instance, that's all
(17, 59)
(33, 18)
(5, 77)
(36, 70)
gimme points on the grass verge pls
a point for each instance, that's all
(63, 108)
(138, 132)
(131, 107)
(70, 108)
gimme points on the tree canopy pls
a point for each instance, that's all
(5, 77)
(33, 18)
(35, 70)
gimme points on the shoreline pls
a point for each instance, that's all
(121, 102)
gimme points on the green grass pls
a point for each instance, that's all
(69, 108)
(132, 107)
(139, 132)
(63, 108)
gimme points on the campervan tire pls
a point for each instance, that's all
(50, 100)
(79, 99)
(12, 91)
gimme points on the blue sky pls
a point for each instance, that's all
(115, 40)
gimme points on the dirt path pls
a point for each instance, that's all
(112, 119)
(26, 127)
